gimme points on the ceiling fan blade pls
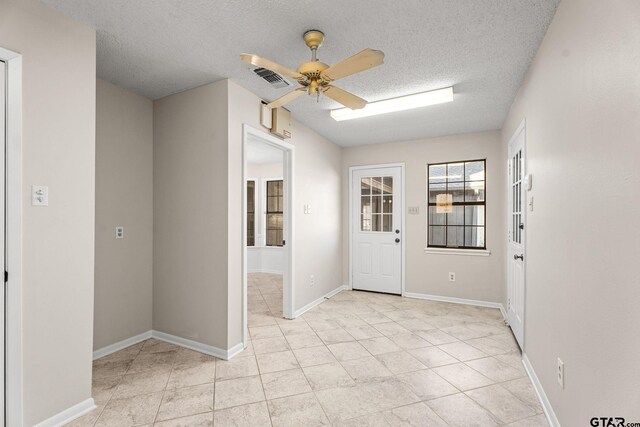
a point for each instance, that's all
(345, 98)
(287, 98)
(364, 60)
(270, 65)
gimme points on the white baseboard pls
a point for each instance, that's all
(453, 300)
(104, 351)
(264, 270)
(318, 301)
(542, 397)
(197, 346)
(69, 414)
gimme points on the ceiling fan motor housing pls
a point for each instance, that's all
(313, 38)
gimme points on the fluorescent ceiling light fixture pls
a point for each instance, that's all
(409, 102)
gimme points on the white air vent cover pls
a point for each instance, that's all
(272, 78)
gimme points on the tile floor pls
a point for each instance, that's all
(358, 359)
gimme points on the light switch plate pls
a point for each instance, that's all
(39, 195)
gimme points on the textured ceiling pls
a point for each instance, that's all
(481, 47)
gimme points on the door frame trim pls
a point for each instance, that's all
(13, 197)
(288, 169)
(352, 169)
(522, 128)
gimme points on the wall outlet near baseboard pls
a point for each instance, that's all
(452, 277)
(560, 373)
(312, 280)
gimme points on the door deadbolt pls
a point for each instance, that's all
(397, 231)
(397, 240)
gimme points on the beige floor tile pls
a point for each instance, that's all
(436, 337)
(333, 336)
(258, 332)
(323, 324)
(344, 403)
(536, 421)
(110, 367)
(291, 327)
(415, 415)
(348, 351)
(295, 411)
(388, 393)
(304, 340)
(284, 383)
(426, 384)
(329, 375)
(400, 362)
(192, 372)
(141, 383)
(366, 369)
(236, 368)
(462, 332)
(523, 390)
(186, 401)
(459, 410)
(433, 356)
(313, 356)
(158, 346)
(363, 332)
(392, 328)
(512, 358)
(496, 370)
(269, 345)
(239, 391)
(251, 415)
(375, 318)
(410, 341)
(489, 346)
(274, 362)
(501, 403)
(89, 419)
(200, 420)
(130, 411)
(153, 361)
(372, 420)
(462, 351)
(102, 388)
(380, 345)
(462, 377)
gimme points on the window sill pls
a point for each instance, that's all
(453, 251)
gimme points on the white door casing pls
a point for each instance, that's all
(376, 226)
(3, 115)
(516, 257)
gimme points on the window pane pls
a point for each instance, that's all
(365, 186)
(455, 236)
(474, 171)
(365, 222)
(456, 217)
(387, 188)
(365, 204)
(474, 191)
(434, 190)
(474, 215)
(386, 204)
(437, 236)
(437, 174)
(376, 224)
(387, 222)
(474, 237)
(457, 190)
(455, 172)
(376, 204)
(272, 204)
(376, 185)
(436, 218)
(251, 186)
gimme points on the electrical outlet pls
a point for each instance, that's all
(452, 277)
(560, 372)
(119, 232)
(312, 280)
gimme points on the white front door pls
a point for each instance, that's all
(376, 224)
(516, 247)
(3, 116)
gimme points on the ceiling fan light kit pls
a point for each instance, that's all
(402, 103)
(316, 78)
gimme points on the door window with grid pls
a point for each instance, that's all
(275, 205)
(456, 205)
(376, 199)
(251, 213)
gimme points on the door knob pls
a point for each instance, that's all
(397, 240)
(397, 231)
(520, 257)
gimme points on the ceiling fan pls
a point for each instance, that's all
(316, 77)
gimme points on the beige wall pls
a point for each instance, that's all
(124, 196)
(581, 102)
(58, 149)
(477, 278)
(190, 217)
(318, 247)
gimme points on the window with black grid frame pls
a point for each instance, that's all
(456, 205)
(275, 206)
(251, 213)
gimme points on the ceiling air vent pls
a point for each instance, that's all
(272, 78)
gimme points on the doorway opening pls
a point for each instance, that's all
(267, 230)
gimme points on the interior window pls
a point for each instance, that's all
(251, 213)
(275, 203)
